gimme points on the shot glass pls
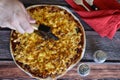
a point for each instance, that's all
(83, 69)
(100, 56)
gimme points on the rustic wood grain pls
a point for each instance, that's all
(94, 42)
(9, 70)
(4, 44)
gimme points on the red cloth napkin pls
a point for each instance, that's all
(105, 21)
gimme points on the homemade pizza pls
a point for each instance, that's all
(48, 58)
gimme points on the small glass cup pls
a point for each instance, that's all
(83, 69)
(100, 56)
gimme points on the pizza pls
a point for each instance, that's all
(49, 58)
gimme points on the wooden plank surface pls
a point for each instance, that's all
(9, 70)
(94, 42)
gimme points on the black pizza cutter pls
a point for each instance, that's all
(45, 31)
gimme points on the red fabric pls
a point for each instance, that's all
(105, 21)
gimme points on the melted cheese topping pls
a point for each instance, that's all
(49, 57)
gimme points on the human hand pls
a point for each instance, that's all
(14, 16)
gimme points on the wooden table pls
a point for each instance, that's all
(109, 69)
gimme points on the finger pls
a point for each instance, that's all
(26, 26)
(17, 26)
(29, 18)
(23, 8)
(24, 23)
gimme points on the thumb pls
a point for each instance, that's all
(31, 20)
